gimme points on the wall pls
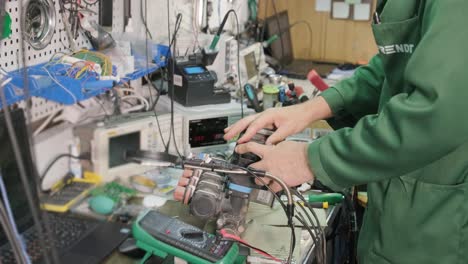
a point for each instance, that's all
(332, 40)
(188, 37)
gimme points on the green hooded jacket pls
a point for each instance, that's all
(410, 143)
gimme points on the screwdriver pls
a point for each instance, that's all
(331, 198)
(252, 96)
(321, 205)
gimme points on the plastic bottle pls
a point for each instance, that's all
(75, 165)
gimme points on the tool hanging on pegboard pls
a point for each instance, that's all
(5, 22)
(11, 51)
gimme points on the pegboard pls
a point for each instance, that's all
(11, 53)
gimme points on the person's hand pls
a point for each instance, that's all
(182, 184)
(287, 160)
(287, 121)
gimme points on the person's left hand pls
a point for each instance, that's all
(287, 160)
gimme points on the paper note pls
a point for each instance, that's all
(323, 5)
(340, 10)
(274, 240)
(362, 12)
(275, 216)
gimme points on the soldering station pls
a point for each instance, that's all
(106, 103)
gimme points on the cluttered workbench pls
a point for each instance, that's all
(266, 230)
(101, 128)
(259, 225)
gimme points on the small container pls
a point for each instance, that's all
(270, 96)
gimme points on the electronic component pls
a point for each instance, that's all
(109, 140)
(203, 126)
(194, 85)
(162, 235)
(223, 190)
(114, 191)
(64, 195)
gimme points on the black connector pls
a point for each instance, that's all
(257, 172)
(290, 212)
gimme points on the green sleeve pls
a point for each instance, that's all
(411, 129)
(358, 95)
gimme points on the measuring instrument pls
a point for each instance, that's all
(164, 236)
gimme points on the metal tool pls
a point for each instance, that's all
(39, 22)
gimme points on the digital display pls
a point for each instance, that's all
(194, 70)
(119, 145)
(207, 132)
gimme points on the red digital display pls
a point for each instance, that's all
(207, 132)
(198, 138)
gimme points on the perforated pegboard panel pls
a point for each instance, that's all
(10, 51)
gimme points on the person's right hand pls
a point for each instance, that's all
(287, 121)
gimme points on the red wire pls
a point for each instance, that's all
(240, 240)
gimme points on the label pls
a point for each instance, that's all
(178, 80)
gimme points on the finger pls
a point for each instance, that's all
(256, 125)
(179, 193)
(254, 148)
(187, 173)
(262, 181)
(275, 187)
(238, 127)
(279, 135)
(183, 182)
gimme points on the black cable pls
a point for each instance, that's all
(144, 18)
(85, 156)
(238, 55)
(310, 221)
(318, 241)
(319, 229)
(171, 82)
(103, 108)
(289, 216)
(150, 84)
(279, 28)
(238, 65)
(153, 108)
(301, 219)
(172, 85)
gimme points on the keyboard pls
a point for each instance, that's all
(65, 232)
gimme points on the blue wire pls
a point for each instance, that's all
(10, 216)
